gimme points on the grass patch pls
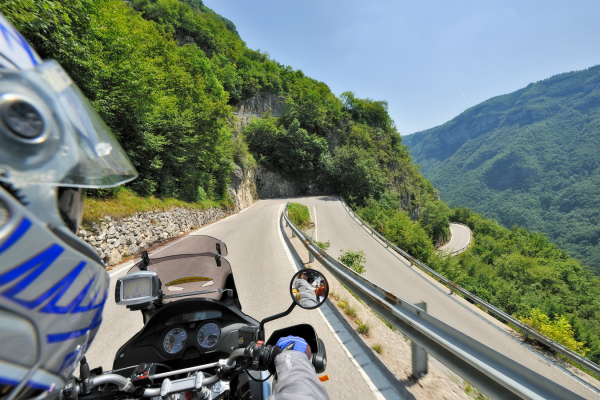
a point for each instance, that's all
(350, 311)
(363, 328)
(299, 215)
(342, 304)
(125, 203)
(323, 245)
(334, 295)
(474, 392)
(378, 348)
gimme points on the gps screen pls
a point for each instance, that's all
(136, 288)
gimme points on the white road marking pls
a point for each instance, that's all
(296, 267)
(315, 213)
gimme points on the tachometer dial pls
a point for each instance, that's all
(208, 335)
(174, 340)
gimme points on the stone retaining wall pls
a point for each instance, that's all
(114, 240)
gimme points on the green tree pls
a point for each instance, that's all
(434, 219)
(355, 174)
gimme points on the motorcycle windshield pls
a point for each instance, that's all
(185, 273)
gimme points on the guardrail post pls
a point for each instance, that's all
(311, 257)
(293, 233)
(419, 355)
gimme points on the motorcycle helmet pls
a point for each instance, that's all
(53, 286)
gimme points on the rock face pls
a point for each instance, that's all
(115, 240)
(255, 107)
(241, 188)
(261, 103)
(270, 184)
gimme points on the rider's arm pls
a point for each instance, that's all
(296, 378)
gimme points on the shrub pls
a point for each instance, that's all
(350, 311)
(363, 328)
(559, 330)
(323, 245)
(353, 259)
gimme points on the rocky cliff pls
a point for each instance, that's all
(255, 107)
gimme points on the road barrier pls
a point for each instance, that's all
(493, 373)
(527, 330)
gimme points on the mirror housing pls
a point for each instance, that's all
(309, 288)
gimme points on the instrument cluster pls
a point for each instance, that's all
(206, 336)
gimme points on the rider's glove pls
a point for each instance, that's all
(294, 343)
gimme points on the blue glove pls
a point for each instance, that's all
(294, 343)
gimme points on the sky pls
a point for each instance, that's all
(430, 60)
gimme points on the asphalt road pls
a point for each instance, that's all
(256, 256)
(394, 273)
(461, 238)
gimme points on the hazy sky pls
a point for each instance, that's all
(430, 60)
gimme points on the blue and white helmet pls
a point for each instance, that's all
(53, 286)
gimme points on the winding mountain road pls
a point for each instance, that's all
(459, 240)
(393, 273)
(256, 254)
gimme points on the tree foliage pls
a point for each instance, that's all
(559, 330)
(353, 259)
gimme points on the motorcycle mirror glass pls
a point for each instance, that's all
(309, 288)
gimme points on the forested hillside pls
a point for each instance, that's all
(166, 75)
(528, 158)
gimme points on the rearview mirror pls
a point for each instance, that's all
(309, 288)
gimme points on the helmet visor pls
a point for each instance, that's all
(51, 134)
(102, 162)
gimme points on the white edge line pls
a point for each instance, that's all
(295, 268)
(315, 213)
(129, 264)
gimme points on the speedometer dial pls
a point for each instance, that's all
(174, 340)
(208, 335)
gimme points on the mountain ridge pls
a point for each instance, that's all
(526, 158)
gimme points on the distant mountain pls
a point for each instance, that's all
(531, 157)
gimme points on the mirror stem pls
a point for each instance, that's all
(261, 329)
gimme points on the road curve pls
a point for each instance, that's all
(392, 272)
(256, 256)
(460, 238)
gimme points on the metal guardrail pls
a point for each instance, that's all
(527, 330)
(495, 374)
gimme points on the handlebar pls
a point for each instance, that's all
(125, 385)
(257, 356)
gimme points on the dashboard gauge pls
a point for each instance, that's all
(208, 335)
(174, 340)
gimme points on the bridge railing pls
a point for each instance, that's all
(527, 330)
(493, 373)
